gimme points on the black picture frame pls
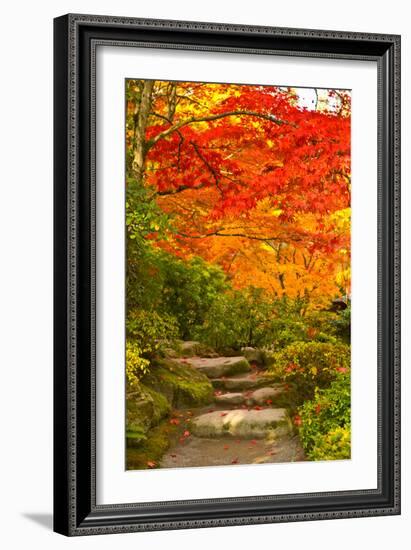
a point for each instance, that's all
(75, 509)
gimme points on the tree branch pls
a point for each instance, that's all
(151, 142)
(243, 235)
(180, 189)
(208, 165)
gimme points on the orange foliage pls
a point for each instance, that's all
(253, 182)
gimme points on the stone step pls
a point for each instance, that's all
(242, 423)
(254, 397)
(216, 367)
(240, 383)
(262, 395)
(230, 398)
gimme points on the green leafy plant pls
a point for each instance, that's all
(136, 364)
(310, 365)
(189, 289)
(148, 333)
(238, 318)
(325, 421)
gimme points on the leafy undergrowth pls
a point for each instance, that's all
(325, 422)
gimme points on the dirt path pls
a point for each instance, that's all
(244, 426)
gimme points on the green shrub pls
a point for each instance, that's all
(136, 364)
(147, 333)
(150, 330)
(333, 325)
(310, 365)
(238, 319)
(182, 289)
(335, 445)
(325, 421)
(190, 288)
(342, 324)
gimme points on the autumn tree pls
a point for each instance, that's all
(246, 179)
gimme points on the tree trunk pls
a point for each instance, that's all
(140, 131)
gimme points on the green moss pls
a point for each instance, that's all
(152, 448)
(182, 385)
(144, 409)
(239, 367)
(161, 406)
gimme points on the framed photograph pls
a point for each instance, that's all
(227, 278)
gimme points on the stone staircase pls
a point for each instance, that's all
(247, 397)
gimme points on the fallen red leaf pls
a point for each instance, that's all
(174, 421)
(253, 442)
(223, 414)
(186, 433)
(297, 420)
(151, 464)
(234, 461)
(226, 447)
(269, 401)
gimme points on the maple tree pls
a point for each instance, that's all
(248, 180)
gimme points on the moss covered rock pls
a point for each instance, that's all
(150, 450)
(145, 408)
(182, 385)
(194, 348)
(254, 355)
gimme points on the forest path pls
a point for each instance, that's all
(243, 426)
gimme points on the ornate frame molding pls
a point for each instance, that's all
(76, 40)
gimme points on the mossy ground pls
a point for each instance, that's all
(150, 450)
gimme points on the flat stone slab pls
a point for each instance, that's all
(242, 423)
(230, 399)
(215, 367)
(240, 382)
(262, 395)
